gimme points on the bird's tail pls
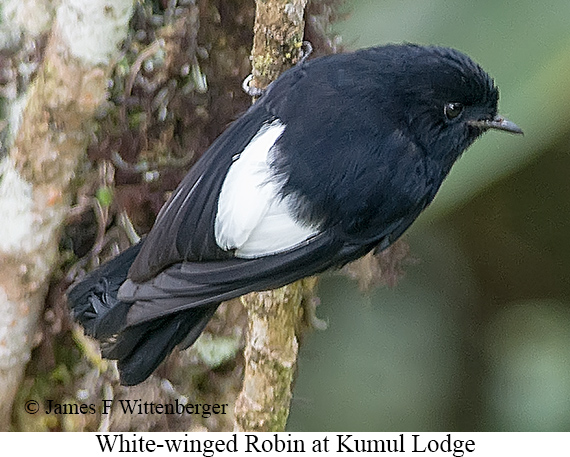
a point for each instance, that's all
(139, 349)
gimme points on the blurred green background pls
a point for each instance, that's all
(476, 336)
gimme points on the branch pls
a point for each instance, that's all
(273, 316)
(278, 38)
(35, 177)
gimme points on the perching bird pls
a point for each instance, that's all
(338, 157)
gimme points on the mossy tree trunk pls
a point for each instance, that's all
(36, 173)
(274, 317)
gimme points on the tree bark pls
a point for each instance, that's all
(274, 317)
(277, 39)
(37, 172)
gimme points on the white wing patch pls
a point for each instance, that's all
(252, 218)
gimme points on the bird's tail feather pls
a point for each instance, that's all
(139, 349)
(94, 300)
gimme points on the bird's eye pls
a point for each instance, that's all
(452, 110)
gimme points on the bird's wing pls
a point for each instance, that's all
(184, 229)
(218, 212)
(196, 284)
(253, 219)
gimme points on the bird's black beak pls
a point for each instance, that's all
(499, 123)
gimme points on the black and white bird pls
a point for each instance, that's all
(338, 157)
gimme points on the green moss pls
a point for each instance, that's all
(104, 196)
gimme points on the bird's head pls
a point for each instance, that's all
(447, 100)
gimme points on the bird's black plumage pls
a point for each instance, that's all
(348, 150)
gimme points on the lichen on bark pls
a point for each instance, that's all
(278, 38)
(47, 147)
